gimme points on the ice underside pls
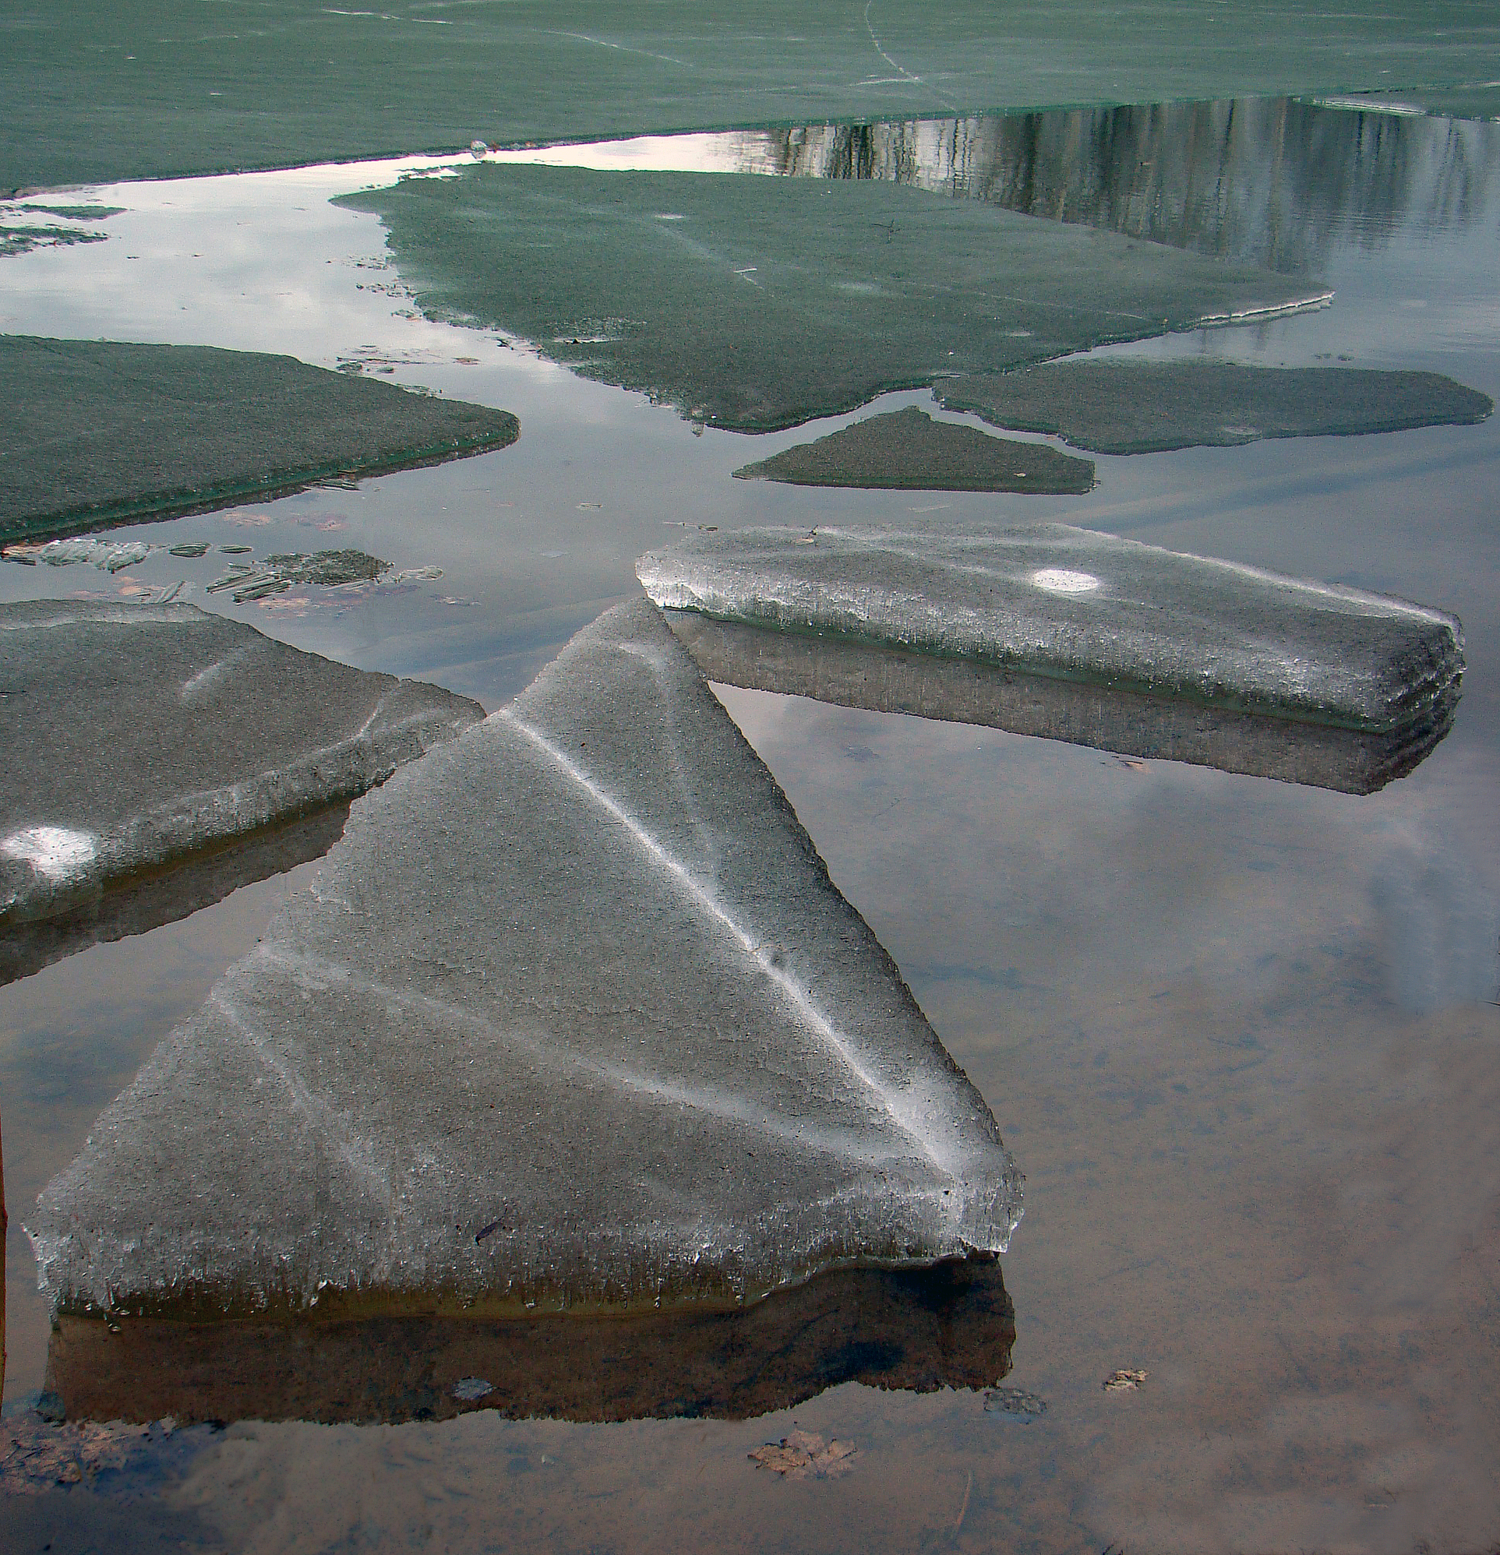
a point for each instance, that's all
(138, 736)
(1132, 407)
(907, 449)
(756, 303)
(271, 86)
(1073, 603)
(96, 432)
(950, 1324)
(573, 1018)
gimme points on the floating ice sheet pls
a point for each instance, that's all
(1127, 406)
(1074, 635)
(908, 450)
(573, 1019)
(94, 104)
(142, 739)
(98, 432)
(755, 303)
(948, 1325)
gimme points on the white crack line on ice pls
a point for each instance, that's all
(356, 1152)
(903, 74)
(319, 974)
(800, 999)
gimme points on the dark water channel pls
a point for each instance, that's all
(1242, 1037)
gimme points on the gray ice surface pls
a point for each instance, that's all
(908, 450)
(100, 432)
(139, 737)
(1076, 605)
(573, 1018)
(1129, 406)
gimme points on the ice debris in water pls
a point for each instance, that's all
(573, 1018)
(1076, 635)
(136, 736)
(107, 555)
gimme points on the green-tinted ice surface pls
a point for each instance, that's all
(907, 450)
(1135, 407)
(15, 241)
(104, 89)
(758, 303)
(94, 433)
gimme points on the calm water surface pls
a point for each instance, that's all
(1242, 1037)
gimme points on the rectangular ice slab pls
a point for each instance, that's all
(141, 740)
(99, 432)
(1075, 635)
(573, 1019)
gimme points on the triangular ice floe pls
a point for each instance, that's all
(573, 1018)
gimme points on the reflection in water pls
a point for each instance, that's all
(144, 901)
(948, 1326)
(1105, 716)
(1271, 181)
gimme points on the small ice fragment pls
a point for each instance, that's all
(1060, 580)
(469, 1390)
(478, 148)
(54, 852)
(1016, 1403)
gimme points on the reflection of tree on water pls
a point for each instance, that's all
(1274, 181)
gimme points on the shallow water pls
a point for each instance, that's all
(1241, 1036)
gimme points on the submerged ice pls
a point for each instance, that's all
(573, 1018)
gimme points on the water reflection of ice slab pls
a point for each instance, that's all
(573, 1019)
(158, 757)
(1074, 635)
(951, 1325)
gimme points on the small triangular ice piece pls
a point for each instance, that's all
(573, 1018)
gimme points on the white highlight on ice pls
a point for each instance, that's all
(53, 852)
(810, 1014)
(1060, 580)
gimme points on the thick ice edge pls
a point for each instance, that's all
(1056, 600)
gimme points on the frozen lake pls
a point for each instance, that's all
(1240, 1036)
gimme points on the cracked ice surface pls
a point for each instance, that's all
(574, 1017)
